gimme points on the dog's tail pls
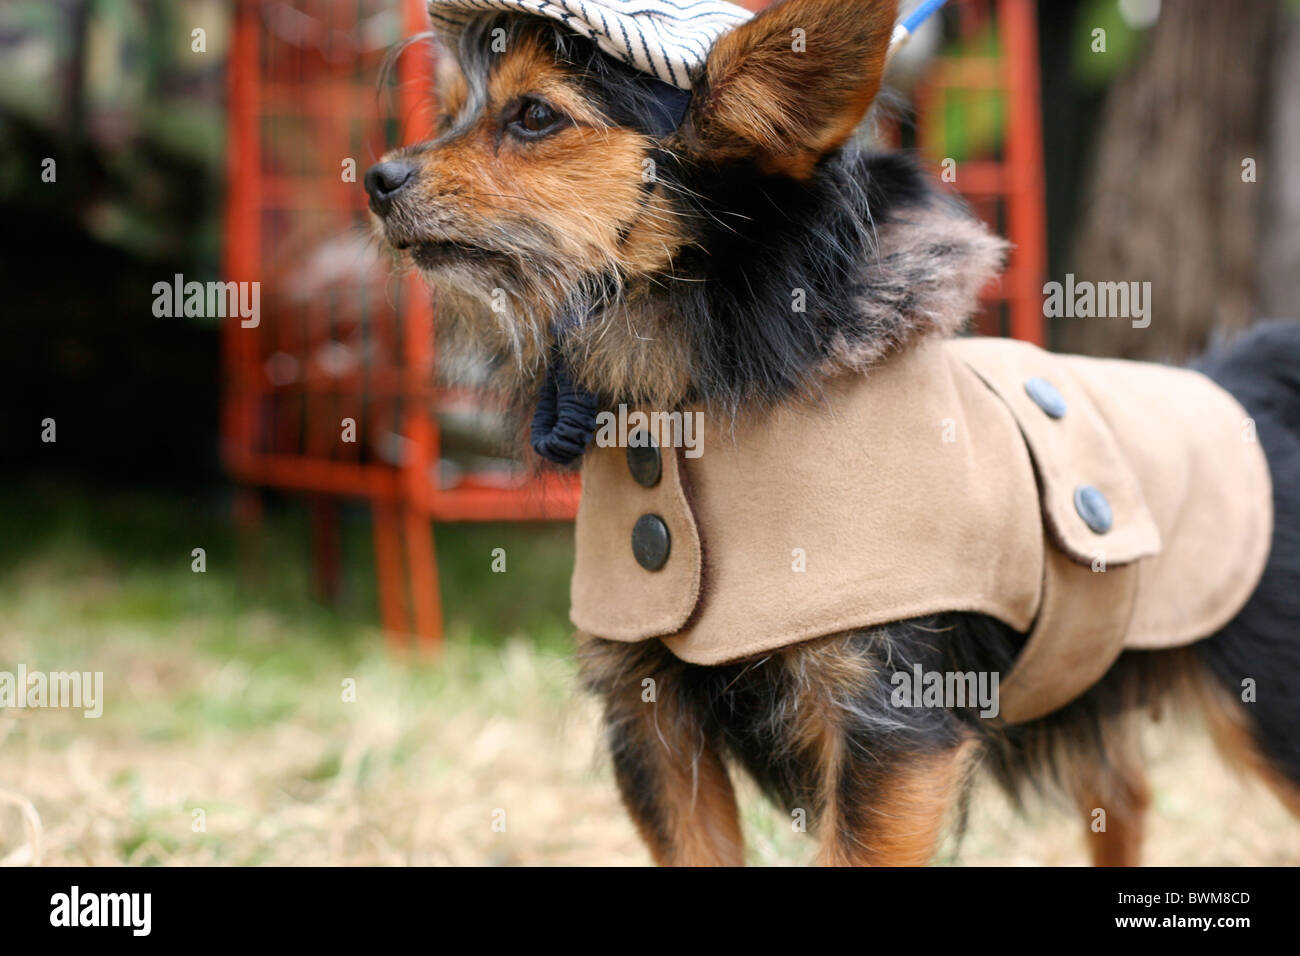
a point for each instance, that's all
(1259, 650)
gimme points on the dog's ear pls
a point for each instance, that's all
(790, 85)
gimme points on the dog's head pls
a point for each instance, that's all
(561, 188)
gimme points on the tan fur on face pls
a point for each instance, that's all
(561, 210)
(452, 88)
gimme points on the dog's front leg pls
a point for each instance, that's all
(669, 771)
(890, 815)
(1113, 796)
(676, 789)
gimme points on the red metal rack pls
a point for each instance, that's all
(338, 338)
(1005, 186)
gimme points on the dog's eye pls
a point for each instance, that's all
(538, 116)
(535, 119)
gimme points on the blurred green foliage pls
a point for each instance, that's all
(131, 551)
(970, 123)
(132, 114)
(1123, 42)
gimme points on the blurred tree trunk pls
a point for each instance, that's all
(1279, 275)
(1165, 201)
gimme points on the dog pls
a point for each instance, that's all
(576, 214)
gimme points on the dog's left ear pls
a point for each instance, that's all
(790, 85)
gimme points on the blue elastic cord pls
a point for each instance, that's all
(920, 14)
(565, 420)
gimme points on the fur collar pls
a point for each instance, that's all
(925, 279)
(786, 283)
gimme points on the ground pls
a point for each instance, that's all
(225, 693)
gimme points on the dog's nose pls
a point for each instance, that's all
(385, 180)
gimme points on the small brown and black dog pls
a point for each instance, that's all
(533, 202)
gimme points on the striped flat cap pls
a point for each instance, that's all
(669, 39)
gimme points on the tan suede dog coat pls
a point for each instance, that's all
(934, 482)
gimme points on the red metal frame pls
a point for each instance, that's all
(1014, 182)
(283, 434)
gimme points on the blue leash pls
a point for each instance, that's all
(921, 14)
(904, 29)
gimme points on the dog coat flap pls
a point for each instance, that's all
(1207, 484)
(636, 569)
(1093, 504)
(1147, 464)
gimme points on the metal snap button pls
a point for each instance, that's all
(643, 459)
(651, 542)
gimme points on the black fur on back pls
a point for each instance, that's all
(1262, 371)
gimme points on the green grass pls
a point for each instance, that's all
(132, 552)
(223, 694)
(236, 674)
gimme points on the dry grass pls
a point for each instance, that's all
(240, 714)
